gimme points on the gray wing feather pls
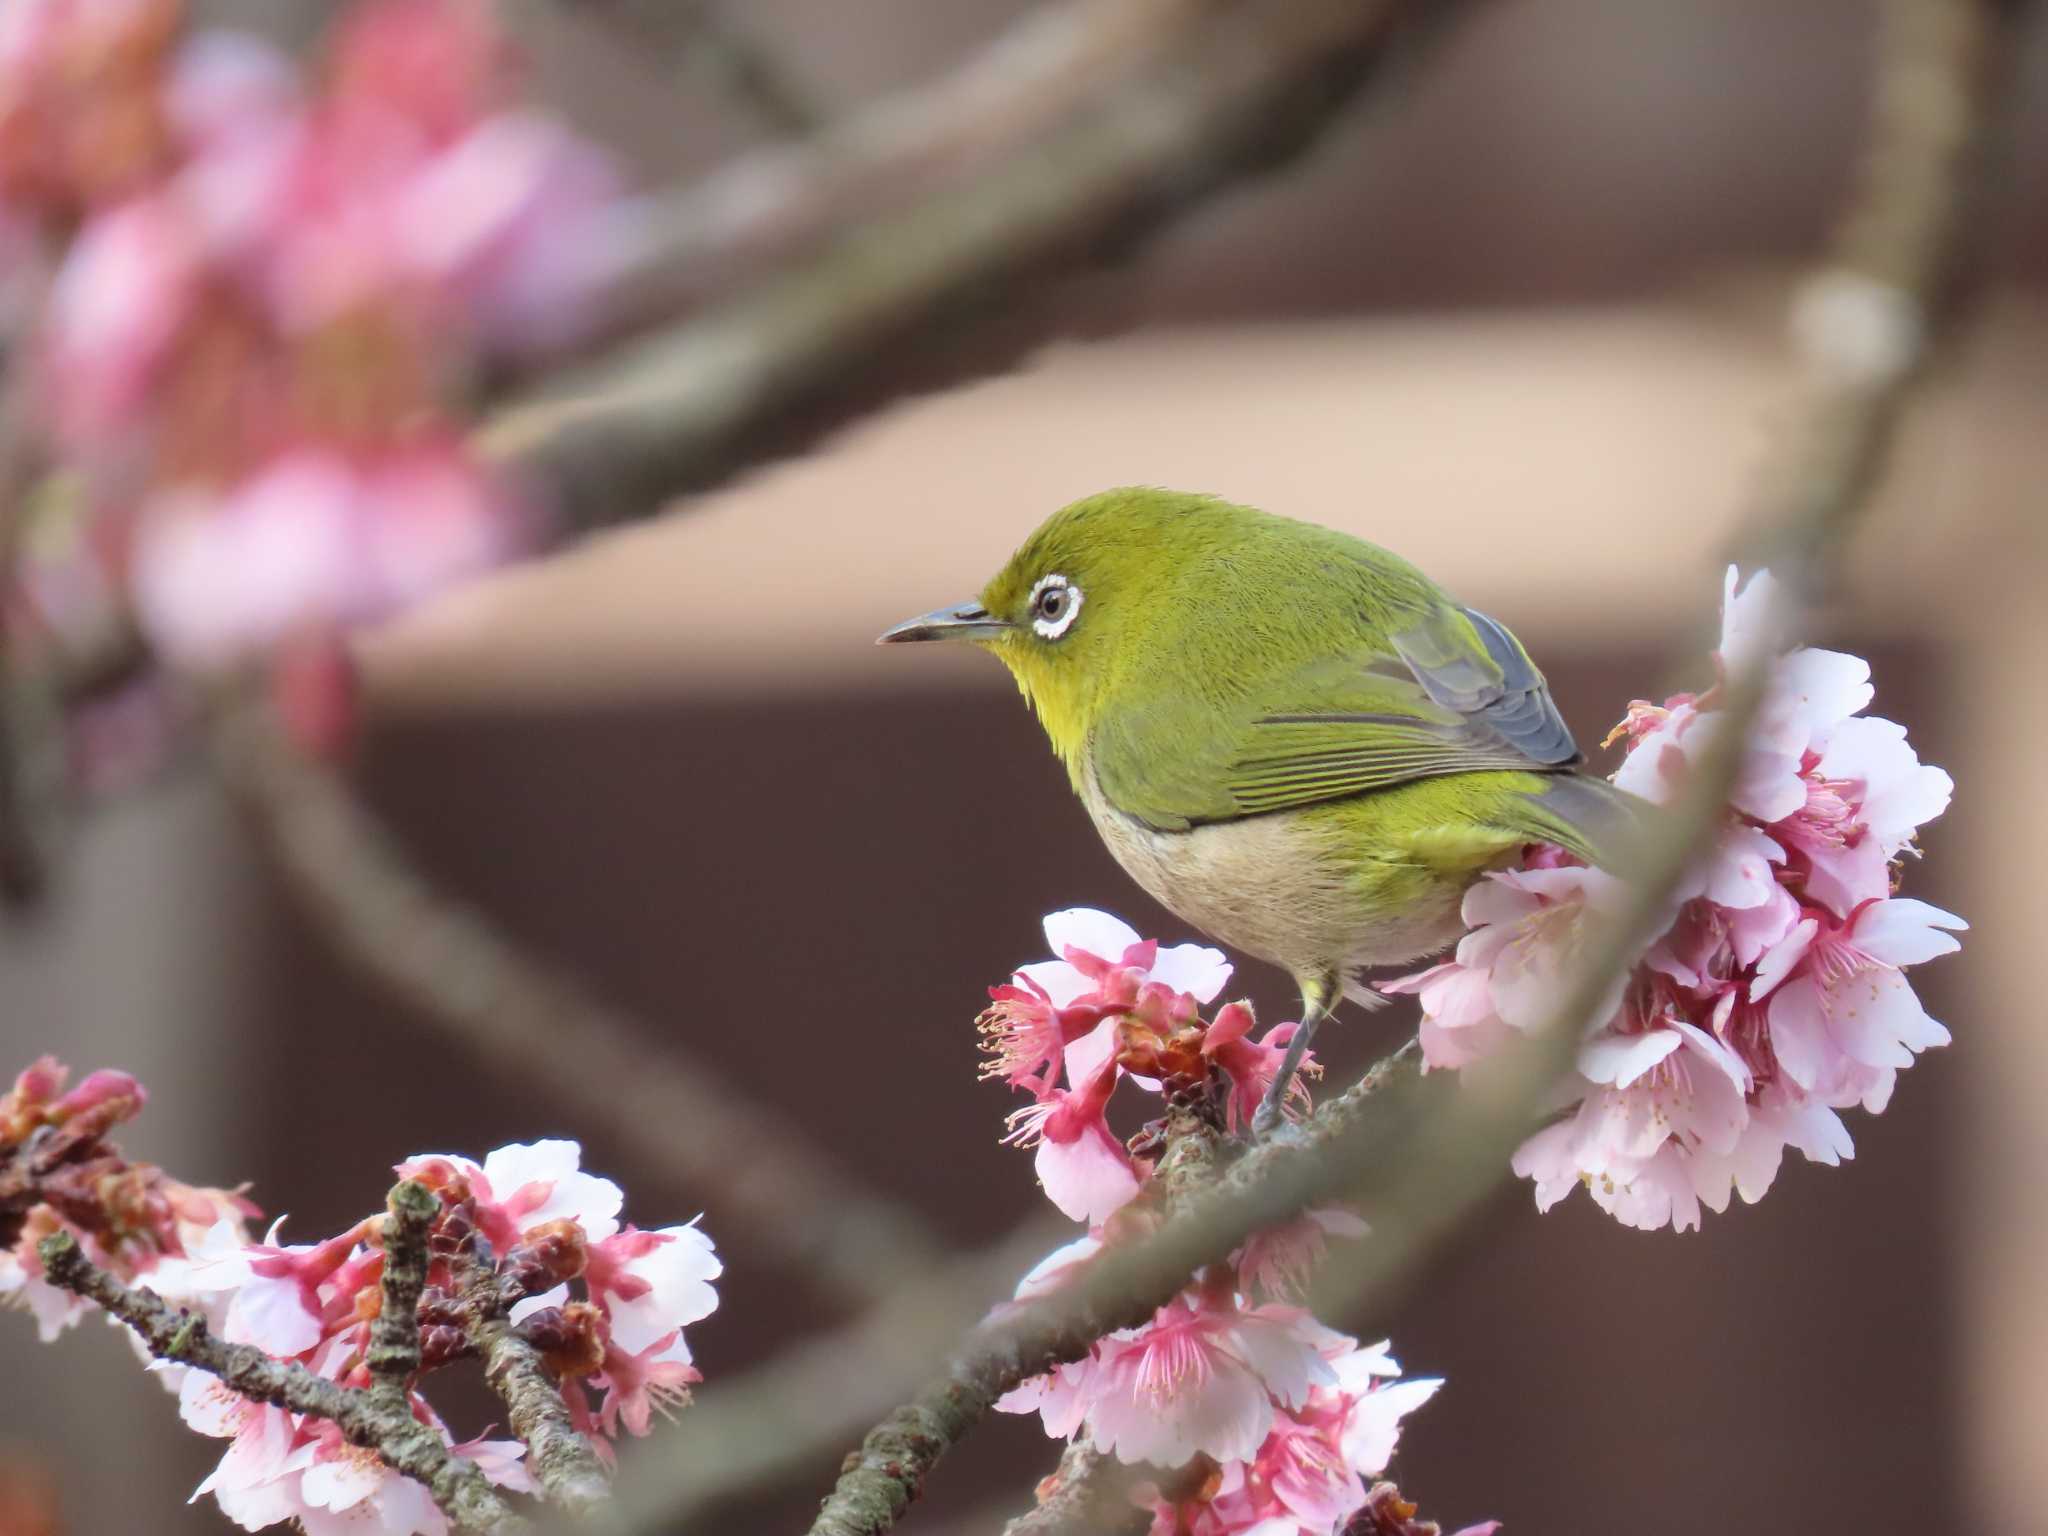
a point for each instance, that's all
(1510, 698)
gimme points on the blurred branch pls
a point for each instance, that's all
(702, 39)
(23, 751)
(366, 1418)
(1176, 99)
(458, 972)
(1895, 281)
(781, 206)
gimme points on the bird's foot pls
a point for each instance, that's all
(1268, 1118)
(1269, 1115)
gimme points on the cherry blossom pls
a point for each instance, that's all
(1776, 995)
(1101, 953)
(270, 287)
(1310, 1474)
(521, 1188)
(1082, 1166)
(1278, 1261)
(1118, 1008)
(527, 1221)
(653, 1283)
(1200, 1379)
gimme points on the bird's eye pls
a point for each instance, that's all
(1055, 603)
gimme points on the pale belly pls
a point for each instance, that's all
(1264, 887)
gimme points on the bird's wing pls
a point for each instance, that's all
(1450, 692)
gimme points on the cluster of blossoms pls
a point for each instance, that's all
(1273, 1422)
(62, 1174)
(267, 293)
(1775, 997)
(528, 1230)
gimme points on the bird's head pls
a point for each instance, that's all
(1066, 609)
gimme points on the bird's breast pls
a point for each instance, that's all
(1278, 888)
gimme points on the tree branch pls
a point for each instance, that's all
(702, 39)
(1187, 95)
(1120, 1288)
(458, 972)
(557, 1453)
(394, 1353)
(26, 800)
(367, 1419)
(1090, 1493)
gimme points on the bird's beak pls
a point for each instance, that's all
(960, 621)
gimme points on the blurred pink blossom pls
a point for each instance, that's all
(266, 308)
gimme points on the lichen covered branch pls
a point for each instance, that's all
(369, 1419)
(558, 1455)
(394, 1353)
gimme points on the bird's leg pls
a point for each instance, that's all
(1319, 996)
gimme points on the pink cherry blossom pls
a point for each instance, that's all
(277, 1304)
(1278, 1261)
(271, 286)
(1101, 953)
(637, 1386)
(1515, 967)
(315, 539)
(1310, 1474)
(119, 300)
(1775, 997)
(524, 1186)
(254, 1483)
(1202, 1376)
(1252, 1065)
(653, 1283)
(522, 221)
(279, 1468)
(1081, 1164)
(1026, 1036)
(1845, 1010)
(22, 1285)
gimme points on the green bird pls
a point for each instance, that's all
(1293, 739)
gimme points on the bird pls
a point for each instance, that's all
(1291, 738)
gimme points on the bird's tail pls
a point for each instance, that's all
(1590, 817)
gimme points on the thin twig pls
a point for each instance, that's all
(559, 1456)
(1218, 89)
(394, 1353)
(755, 1166)
(366, 1419)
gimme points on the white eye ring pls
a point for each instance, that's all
(1053, 618)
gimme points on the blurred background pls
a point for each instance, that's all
(1518, 320)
